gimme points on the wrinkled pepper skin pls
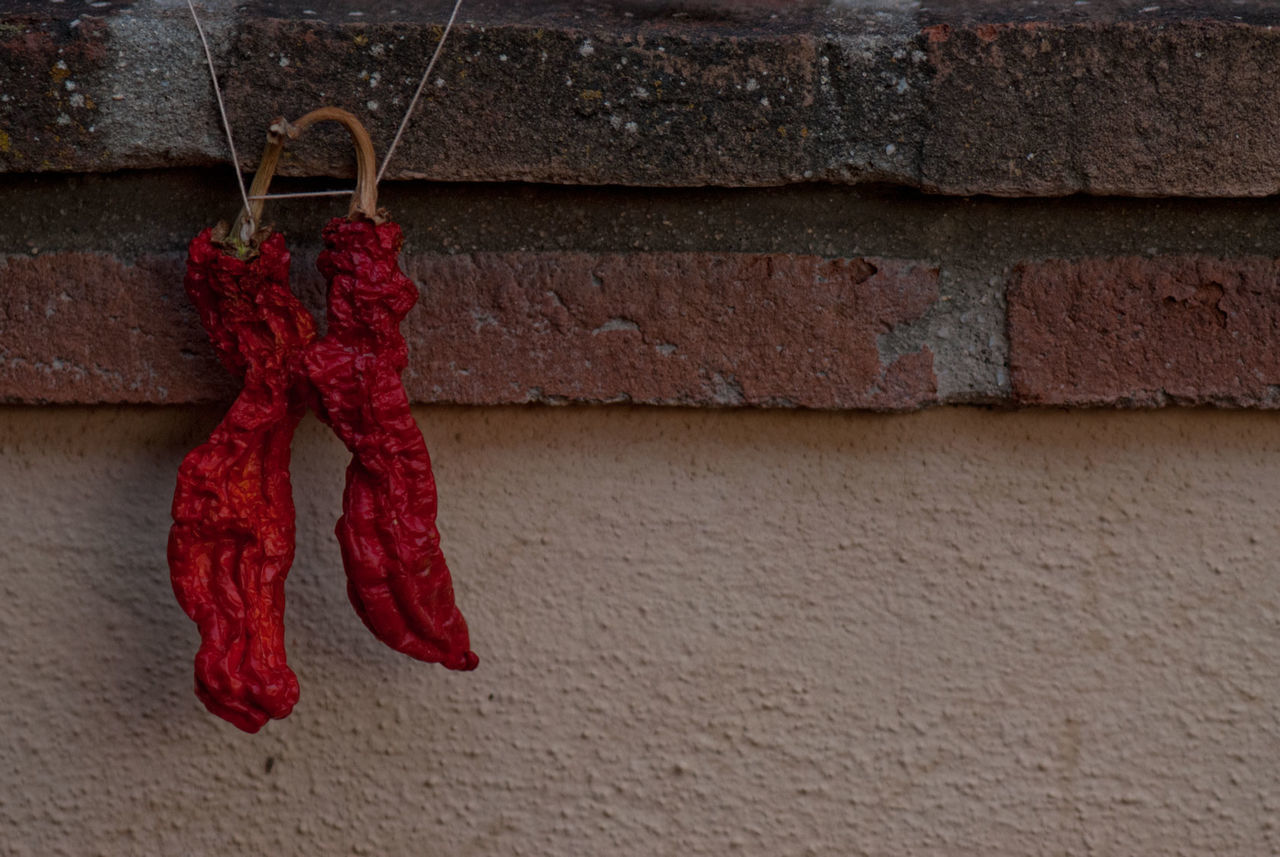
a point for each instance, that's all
(397, 578)
(232, 540)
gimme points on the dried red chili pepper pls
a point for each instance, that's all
(232, 540)
(397, 578)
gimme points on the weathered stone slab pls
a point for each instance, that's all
(959, 97)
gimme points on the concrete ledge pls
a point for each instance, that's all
(971, 97)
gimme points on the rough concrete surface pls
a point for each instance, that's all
(957, 96)
(956, 632)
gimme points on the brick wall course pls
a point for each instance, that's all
(697, 329)
(691, 329)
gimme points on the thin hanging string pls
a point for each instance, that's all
(404, 123)
(418, 93)
(302, 194)
(222, 109)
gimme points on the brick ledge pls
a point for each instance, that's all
(692, 329)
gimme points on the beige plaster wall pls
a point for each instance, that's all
(957, 632)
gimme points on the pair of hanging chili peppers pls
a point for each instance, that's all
(232, 541)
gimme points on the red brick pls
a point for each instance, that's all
(1144, 332)
(87, 328)
(696, 329)
(682, 328)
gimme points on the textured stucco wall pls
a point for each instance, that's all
(956, 632)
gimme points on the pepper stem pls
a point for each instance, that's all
(246, 223)
(364, 201)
